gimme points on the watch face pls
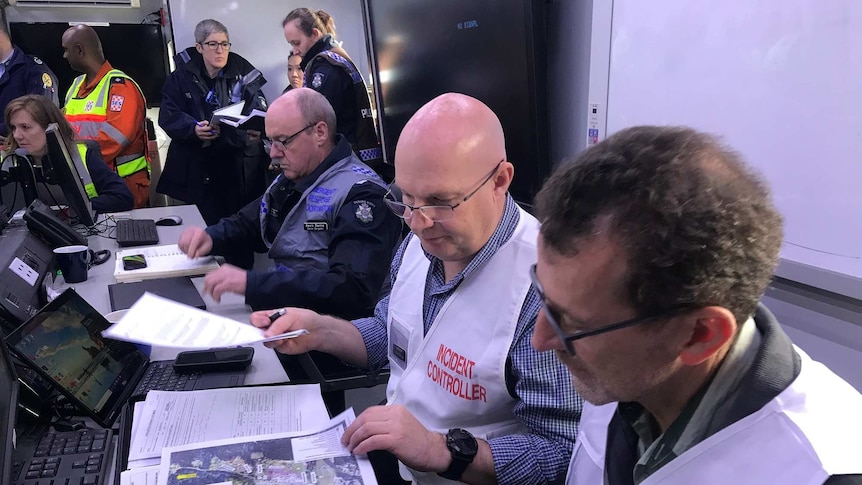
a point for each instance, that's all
(462, 442)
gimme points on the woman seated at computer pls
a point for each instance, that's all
(29, 116)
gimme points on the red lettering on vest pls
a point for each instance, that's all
(457, 386)
(455, 362)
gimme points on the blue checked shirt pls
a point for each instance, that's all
(549, 405)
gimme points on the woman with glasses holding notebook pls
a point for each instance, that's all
(216, 167)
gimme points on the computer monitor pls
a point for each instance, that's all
(8, 404)
(64, 164)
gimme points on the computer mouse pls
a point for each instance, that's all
(170, 221)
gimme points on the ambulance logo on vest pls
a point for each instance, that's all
(317, 80)
(90, 105)
(363, 212)
(117, 103)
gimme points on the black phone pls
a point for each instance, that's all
(134, 261)
(42, 222)
(213, 360)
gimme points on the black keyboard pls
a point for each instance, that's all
(160, 376)
(79, 457)
(136, 232)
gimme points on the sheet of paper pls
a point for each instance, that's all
(266, 459)
(158, 321)
(179, 418)
(140, 476)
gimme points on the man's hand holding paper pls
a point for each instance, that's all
(277, 322)
(325, 333)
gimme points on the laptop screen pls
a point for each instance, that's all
(64, 342)
(9, 393)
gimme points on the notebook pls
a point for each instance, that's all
(161, 262)
(64, 343)
(39, 455)
(179, 289)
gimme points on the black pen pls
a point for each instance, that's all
(276, 315)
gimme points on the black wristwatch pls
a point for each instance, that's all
(463, 447)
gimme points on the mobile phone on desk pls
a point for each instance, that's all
(213, 360)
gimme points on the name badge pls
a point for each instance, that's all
(399, 337)
(315, 226)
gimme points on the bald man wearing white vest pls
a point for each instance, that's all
(468, 398)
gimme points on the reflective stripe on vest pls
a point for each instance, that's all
(88, 116)
(85, 173)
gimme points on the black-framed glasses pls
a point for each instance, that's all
(282, 144)
(554, 319)
(213, 45)
(434, 212)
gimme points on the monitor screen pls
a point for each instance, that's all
(9, 391)
(66, 174)
(136, 49)
(64, 343)
(492, 50)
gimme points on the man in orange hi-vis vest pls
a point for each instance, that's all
(106, 105)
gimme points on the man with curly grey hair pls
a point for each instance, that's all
(656, 246)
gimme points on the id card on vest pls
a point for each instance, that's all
(399, 339)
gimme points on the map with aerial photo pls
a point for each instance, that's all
(299, 460)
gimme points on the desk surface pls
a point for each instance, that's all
(265, 367)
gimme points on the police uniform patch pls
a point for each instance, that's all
(317, 80)
(47, 82)
(363, 211)
(117, 102)
(89, 106)
(37, 60)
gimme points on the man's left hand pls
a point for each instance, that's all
(227, 279)
(394, 429)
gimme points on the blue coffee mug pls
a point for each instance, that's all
(73, 262)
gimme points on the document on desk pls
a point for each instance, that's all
(180, 418)
(140, 476)
(267, 459)
(154, 320)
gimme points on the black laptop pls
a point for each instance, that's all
(38, 455)
(64, 343)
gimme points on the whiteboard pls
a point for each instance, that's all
(256, 33)
(779, 81)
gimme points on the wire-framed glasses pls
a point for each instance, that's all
(553, 318)
(434, 212)
(282, 144)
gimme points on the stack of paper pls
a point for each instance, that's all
(167, 422)
(162, 262)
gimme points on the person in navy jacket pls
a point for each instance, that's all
(218, 168)
(21, 74)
